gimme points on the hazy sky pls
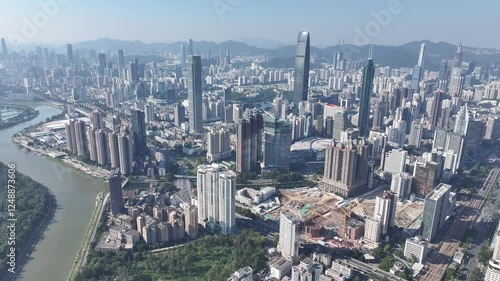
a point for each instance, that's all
(219, 20)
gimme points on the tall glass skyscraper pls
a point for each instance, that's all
(139, 131)
(301, 77)
(364, 104)
(195, 94)
(69, 53)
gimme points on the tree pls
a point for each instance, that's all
(387, 263)
(378, 252)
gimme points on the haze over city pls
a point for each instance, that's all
(220, 20)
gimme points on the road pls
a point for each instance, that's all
(23, 255)
(439, 261)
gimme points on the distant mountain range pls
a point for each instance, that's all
(394, 56)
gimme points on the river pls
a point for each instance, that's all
(55, 253)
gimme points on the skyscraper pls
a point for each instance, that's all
(216, 197)
(121, 63)
(364, 103)
(346, 168)
(69, 53)
(436, 207)
(288, 243)
(249, 140)
(385, 210)
(372, 230)
(191, 220)
(5, 53)
(190, 47)
(195, 94)
(277, 140)
(437, 100)
(218, 144)
(101, 66)
(418, 69)
(96, 119)
(102, 147)
(114, 152)
(125, 155)
(416, 132)
(115, 191)
(179, 114)
(457, 59)
(139, 131)
(183, 55)
(301, 76)
(401, 185)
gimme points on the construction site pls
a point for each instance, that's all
(339, 222)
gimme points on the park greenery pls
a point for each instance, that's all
(31, 205)
(212, 257)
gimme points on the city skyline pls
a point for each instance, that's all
(224, 20)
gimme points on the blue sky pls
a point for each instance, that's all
(218, 20)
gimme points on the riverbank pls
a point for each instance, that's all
(27, 114)
(24, 254)
(81, 257)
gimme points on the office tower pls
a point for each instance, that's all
(139, 131)
(179, 114)
(457, 59)
(425, 175)
(195, 94)
(277, 140)
(443, 70)
(378, 115)
(114, 152)
(395, 161)
(115, 191)
(346, 168)
(364, 103)
(125, 153)
(190, 48)
(436, 207)
(418, 70)
(288, 243)
(401, 185)
(191, 220)
(183, 55)
(102, 147)
(218, 144)
(133, 71)
(121, 63)
(473, 138)
(149, 113)
(456, 82)
(4, 49)
(301, 75)
(96, 119)
(340, 124)
(101, 66)
(385, 210)
(437, 100)
(216, 197)
(396, 134)
(461, 121)
(80, 138)
(249, 140)
(373, 229)
(416, 248)
(416, 132)
(69, 53)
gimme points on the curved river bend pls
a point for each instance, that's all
(55, 253)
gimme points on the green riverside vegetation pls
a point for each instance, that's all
(213, 257)
(32, 201)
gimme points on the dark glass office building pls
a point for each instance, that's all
(301, 78)
(195, 94)
(364, 104)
